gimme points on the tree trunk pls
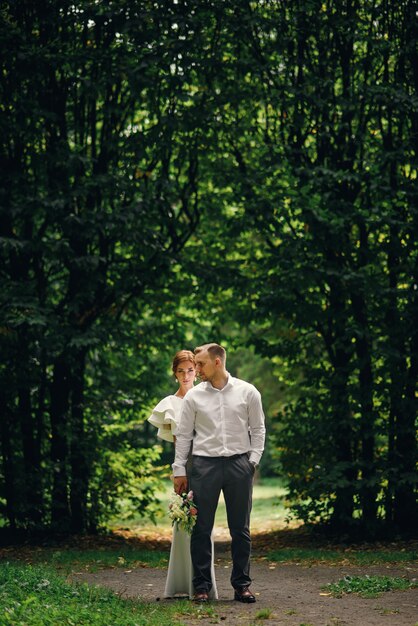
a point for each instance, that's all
(399, 427)
(405, 489)
(405, 496)
(60, 391)
(78, 452)
(32, 487)
(368, 486)
(343, 435)
(7, 462)
(340, 356)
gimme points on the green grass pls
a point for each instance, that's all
(264, 614)
(93, 560)
(352, 557)
(369, 586)
(38, 596)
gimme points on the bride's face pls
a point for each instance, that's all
(185, 374)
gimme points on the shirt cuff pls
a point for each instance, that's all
(179, 470)
(254, 458)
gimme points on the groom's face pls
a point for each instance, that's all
(205, 366)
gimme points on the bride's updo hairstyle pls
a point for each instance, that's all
(180, 357)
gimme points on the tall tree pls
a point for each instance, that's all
(317, 126)
(103, 122)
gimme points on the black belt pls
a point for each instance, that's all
(228, 458)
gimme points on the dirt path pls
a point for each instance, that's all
(292, 594)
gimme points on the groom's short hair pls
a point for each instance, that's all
(214, 350)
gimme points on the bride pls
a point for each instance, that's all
(165, 417)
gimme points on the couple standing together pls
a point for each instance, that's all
(219, 424)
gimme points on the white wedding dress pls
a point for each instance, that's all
(165, 417)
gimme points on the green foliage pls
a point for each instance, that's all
(37, 596)
(102, 126)
(369, 586)
(309, 247)
(240, 172)
(124, 484)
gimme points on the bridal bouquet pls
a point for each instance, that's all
(183, 511)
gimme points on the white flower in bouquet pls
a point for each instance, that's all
(183, 511)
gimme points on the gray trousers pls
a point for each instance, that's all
(234, 476)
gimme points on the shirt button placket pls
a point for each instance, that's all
(222, 414)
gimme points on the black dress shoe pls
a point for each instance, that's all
(243, 594)
(201, 596)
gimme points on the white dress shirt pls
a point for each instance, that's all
(220, 422)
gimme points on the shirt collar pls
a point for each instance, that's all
(229, 383)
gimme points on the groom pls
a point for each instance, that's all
(223, 418)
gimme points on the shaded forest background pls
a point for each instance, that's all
(184, 171)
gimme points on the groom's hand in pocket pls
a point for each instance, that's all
(180, 484)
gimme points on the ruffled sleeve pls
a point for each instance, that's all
(165, 416)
